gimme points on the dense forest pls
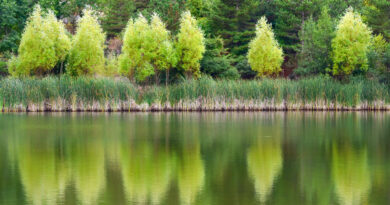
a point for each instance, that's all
(148, 39)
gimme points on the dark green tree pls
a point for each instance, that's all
(13, 16)
(290, 17)
(216, 62)
(116, 15)
(377, 16)
(316, 37)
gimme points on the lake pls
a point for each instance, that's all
(195, 158)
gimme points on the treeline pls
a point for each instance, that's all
(166, 40)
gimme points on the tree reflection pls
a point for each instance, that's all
(191, 173)
(265, 162)
(146, 172)
(350, 174)
(88, 165)
(44, 173)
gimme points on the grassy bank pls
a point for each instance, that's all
(107, 94)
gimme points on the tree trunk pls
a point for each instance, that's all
(166, 78)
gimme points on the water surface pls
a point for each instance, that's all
(195, 158)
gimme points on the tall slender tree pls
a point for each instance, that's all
(351, 44)
(264, 55)
(190, 45)
(87, 53)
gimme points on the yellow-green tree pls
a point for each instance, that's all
(264, 55)
(87, 53)
(134, 61)
(44, 43)
(190, 45)
(147, 49)
(351, 44)
(163, 55)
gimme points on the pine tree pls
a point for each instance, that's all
(264, 55)
(316, 38)
(234, 22)
(290, 18)
(117, 13)
(377, 13)
(190, 45)
(351, 44)
(87, 53)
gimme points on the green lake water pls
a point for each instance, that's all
(195, 158)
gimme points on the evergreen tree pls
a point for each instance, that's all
(190, 45)
(264, 55)
(87, 53)
(116, 15)
(216, 62)
(351, 44)
(13, 17)
(316, 37)
(44, 43)
(290, 18)
(234, 22)
(377, 13)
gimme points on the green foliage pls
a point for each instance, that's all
(234, 21)
(88, 90)
(190, 45)
(265, 56)
(290, 18)
(351, 44)
(117, 13)
(44, 43)
(216, 62)
(111, 66)
(147, 49)
(316, 37)
(377, 15)
(84, 90)
(13, 16)
(3, 68)
(87, 54)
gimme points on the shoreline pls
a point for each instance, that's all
(192, 106)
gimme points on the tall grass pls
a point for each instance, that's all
(85, 90)
(82, 90)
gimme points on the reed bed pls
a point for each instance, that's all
(205, 94)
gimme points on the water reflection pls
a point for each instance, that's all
(43, 172)
(190, 173)
(210, 158)
(265, 162)
(146, 171)
(351, 174)
(88, 169)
